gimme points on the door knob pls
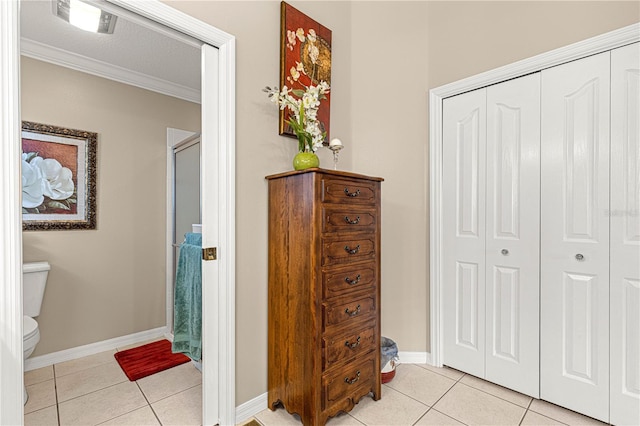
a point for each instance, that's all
(579, 257)
(504, 252)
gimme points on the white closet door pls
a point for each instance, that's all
(513, 234)
(574, 329)
(625, 235)
(464, 138)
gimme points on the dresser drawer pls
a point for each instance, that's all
(347, 381)
(341, 312)
(346, 345)
(336, 190)
(343, 280)
(345, 219)
(348, 249)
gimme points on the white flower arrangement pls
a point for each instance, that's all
(304, 112)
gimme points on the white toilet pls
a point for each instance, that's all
(34, 280)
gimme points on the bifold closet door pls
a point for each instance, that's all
(574, 327)
(625, 235)
(464, 156)
(491, 157)
(513, 234)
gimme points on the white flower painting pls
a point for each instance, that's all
(46, 184)
(305, 66)
(58, 178)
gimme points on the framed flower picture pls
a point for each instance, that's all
(58, 178)
(305, 60)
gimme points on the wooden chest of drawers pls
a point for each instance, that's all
(324, 292)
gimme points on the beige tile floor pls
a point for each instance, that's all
(423, 395)
(94, 391)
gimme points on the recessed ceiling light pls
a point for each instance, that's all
(85, 16)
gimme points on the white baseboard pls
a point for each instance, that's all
(92, 348)
(250, 408)
(414, 357)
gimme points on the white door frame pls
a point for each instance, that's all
(222, 113)
(601, 43)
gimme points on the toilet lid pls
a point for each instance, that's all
(29, 326)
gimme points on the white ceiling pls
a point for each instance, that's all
(136, 54)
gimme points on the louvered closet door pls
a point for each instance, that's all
(513, 234)
(574, 344)
(625, 235)
(464, 151)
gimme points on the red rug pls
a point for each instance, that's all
(148, 359)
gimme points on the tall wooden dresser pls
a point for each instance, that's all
(324, 292)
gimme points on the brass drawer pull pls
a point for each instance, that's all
(352, 251)
(352, 313)
(353, 380)
(352, 282)
(351, 194)
(352, 222)
(354, 344)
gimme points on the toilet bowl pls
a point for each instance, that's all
(34, 281)
(30, 335)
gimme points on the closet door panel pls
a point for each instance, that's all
(513, 234)
(574, 364)
(625, 235)
(464, 139)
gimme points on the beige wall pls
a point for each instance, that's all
(467, 38)
(386, 56)
(260, 152)
(389, 127)
(109, 282)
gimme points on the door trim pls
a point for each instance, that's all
(11, 358)
(591, 46)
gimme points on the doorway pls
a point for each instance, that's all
(218, 105)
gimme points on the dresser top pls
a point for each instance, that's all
(325, 172)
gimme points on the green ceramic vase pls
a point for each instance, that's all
(305, 160)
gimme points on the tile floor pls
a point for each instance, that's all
(94, 391)
(423, 395)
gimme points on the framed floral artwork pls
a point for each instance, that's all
(58, 178)
(305, 60)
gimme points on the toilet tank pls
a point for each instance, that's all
(34, 280)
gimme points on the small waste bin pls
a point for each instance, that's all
(388, 358)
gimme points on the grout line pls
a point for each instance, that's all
(357, 420)
(177, 393)
(94, 391)
(408, 396)
(496, 396)
(420, 418)
(85, 368)
(149, 403)
(55, 389)
(440, 374)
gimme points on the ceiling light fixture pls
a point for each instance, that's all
(85, 16)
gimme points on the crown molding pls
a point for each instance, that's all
(64, 58)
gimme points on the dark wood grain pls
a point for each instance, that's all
(313, 310)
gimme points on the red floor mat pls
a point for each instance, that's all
(148, 359)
